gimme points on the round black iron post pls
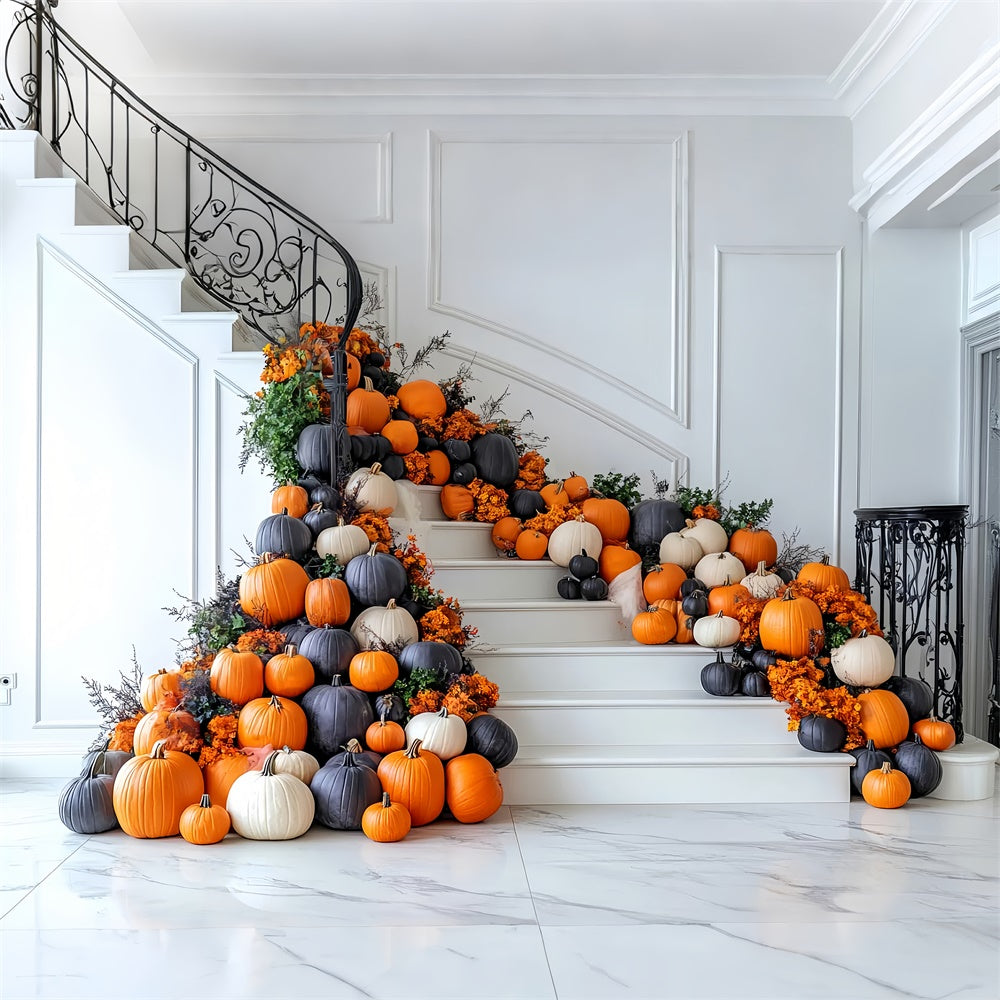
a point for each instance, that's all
(337, 388)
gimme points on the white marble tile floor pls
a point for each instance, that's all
(668, 902)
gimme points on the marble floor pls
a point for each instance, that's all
(573, 902)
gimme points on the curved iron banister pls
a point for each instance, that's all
(241, 243)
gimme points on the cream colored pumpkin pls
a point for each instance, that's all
(864, 661)
(298, 763)
(264, 805)
(716, 569)
(439, 732)
(343, 542)
(761, 584)
(679, 549)
(716, 630)
(709, 534)
(372, 489)
(379, 628)
(570, 539)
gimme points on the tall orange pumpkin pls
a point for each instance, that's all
(274, 590)
(277, 721)
(327, 601)
(472, 788)
(609, 516)
(883, 718)
(367, 407)
(152, 790)
(237, 675)
(753, 545)
(791, 626)
(415, 779)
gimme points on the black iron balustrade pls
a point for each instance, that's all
(993, 635)
(909, 568)
(242, 244)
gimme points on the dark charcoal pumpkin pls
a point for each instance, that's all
(326, 496)
(376, 359)
(85, 804)
(920, 764)
(457, 451)
(440, 657)
(690, 585)
(394, 467)
(295, 632)
(492, 738)
(754, 684)
(822, 734)
(463, 474)
(594, 589)
(308, 483)
(375, 579)
(312, 451)
(416, 609)
(377, 376)
(363, 450)
(426, 443)
(867, 758)
(583, 567)
(390, 706)
(695, 604)
(284, 536)
(383, 447)
(366, 758)
(568, 588)
(329, 650)
(336, 713)
(764, 658)
(720, 678)
(525, 504)
(495, 456)
(319, 519)
(915, 694)
(652, 519)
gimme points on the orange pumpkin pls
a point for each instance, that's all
(457, 502)
(402, 435)
(726, 597)
(353, 371)
(274, 590)
(576, 488)
(615, 559)
(152, 790)
(385, 736)
(823, 576)
(277, 721)
(327, 601)
(752, 546)
(422, 399)
(289, 673)
(291, 499)
(935, 733)
(367, 407)
(415, 779)
(685, 623)
(203, 823)
(610, 517)
(791, 626)
(654, 626)
(237, 675)
(155, 686)
(373, 670)
(176, 728)
(883, 718)
(886, 788)
(554, 495)
(531, 545)
(663, 582)
(472, 788)
(385, 822)
(438, 467)
(505, 533)
(221, 773)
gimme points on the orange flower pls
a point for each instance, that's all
(531, 471)
(221, 730)
(442, 624)
(708, 511)
(123, 736)
(260, 641)
(797, 682)
(490, 501)
(375, 526)
(417, 467)
(464, 425)
(549, 520)
(426, 701)
(414, 562)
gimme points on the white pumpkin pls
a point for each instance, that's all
(372, 489)
(717, 569)
(864, 661)
(709, 534)
(570, 539)
(343, 542)
(265, 805)
(716, 630)
(439, 732)
(378, 628)
(298, 763)
(761, 584)
(684, 551)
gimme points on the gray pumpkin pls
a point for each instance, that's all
(375, 579)
(343, 791)
(336, 713)
(822, 734)
(108, 761)
(329, 650)
(85, 804)
(441, 657)
(284, 536)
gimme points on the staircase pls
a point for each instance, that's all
(599, 717)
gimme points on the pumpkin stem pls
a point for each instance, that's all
(376, 469)
(385, 800)
(353, 746)
(206, 802)
(762, 568)
(286, 749)
(369, 386)
(276, 703)
(291, 649)
(392, 602)
(886, 767)
(159, 750)
(284, 512)
(789, 595)
(825, 560)
(413, 750)
(268, 768)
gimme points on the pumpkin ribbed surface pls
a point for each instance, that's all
(220, 775)
(152, 790)
(274, 591)
(415, 779)
(276, 721)
(791, 624)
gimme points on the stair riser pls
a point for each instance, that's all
(155, 296)
(598, 623)
(508, 580)
(582, 785)
(100, 253)
(724, 722)
(566, 670)
(451, 540)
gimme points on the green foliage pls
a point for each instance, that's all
(420, 679)
(836, 634)
(214, 623)
(201, 701)
(274, 418)
(329, 567)
(690, 497)
(751, 514)
(616, 486)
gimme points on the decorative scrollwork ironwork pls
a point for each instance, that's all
(909, 567)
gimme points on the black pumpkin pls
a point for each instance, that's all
(390, 706)
(295, 632)
(376, 360)
(363, 449)
(495, 456)
(283, 535)
(343, 792)
(457, 451)
(329, 650)
(441, 657)
(308, 483)
(822, 734)
(319, 519)
(336, 713)
(383, 447)
(785, 573)
(920, 764)
(366, 758)
(525, 504)
(690, 585)
(492, 738)
(720, 678)
(85, 804)
(394, 467)
(652, 519)
(754, 684)
(416, 609)
(568, 588)
(426, 443)
(326, 496)
(763, 658)
(375, 579)
(376, 374)
(463, 474)
(593, 589)
(695, 604)
(312, 451)
(867, 758)
(583, 567)
(915, 694)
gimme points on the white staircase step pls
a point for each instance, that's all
(628, 718)
(426, 499)
(156, 292)
(18, 154)
(498, 578)
(968, 771)
(585, 774)
(626, 664)
(201, 328)
(102, 250)
(455, 539)
(539, 622)
(50, 200)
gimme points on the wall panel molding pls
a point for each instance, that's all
(676, 404)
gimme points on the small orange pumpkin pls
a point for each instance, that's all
(385, 736)
(457, 502)
(609, 516)
(203, 823)
(386, 822)
(402, 435)
(155, 686)
(289, 673)
(823, 576)
(505, 533)
(791, 626)
(726, 597)
(291, 499)
(554, 495)
(422, 399)
(221, 773)
(752, 546)
(438, 467)
(663, 582)
(886, 788)
(353, 371)
(935, 733)
(168, 723)
(472, 788)
(237, 675)
(274, 590)
(531, 545)
(615, 559)
(367, 407)
(277, 721)
(576, 488)
(415, 779)
(654, 626)
(373, 670)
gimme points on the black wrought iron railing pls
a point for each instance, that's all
(910, 568)
(993, 633)
(242, 244)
